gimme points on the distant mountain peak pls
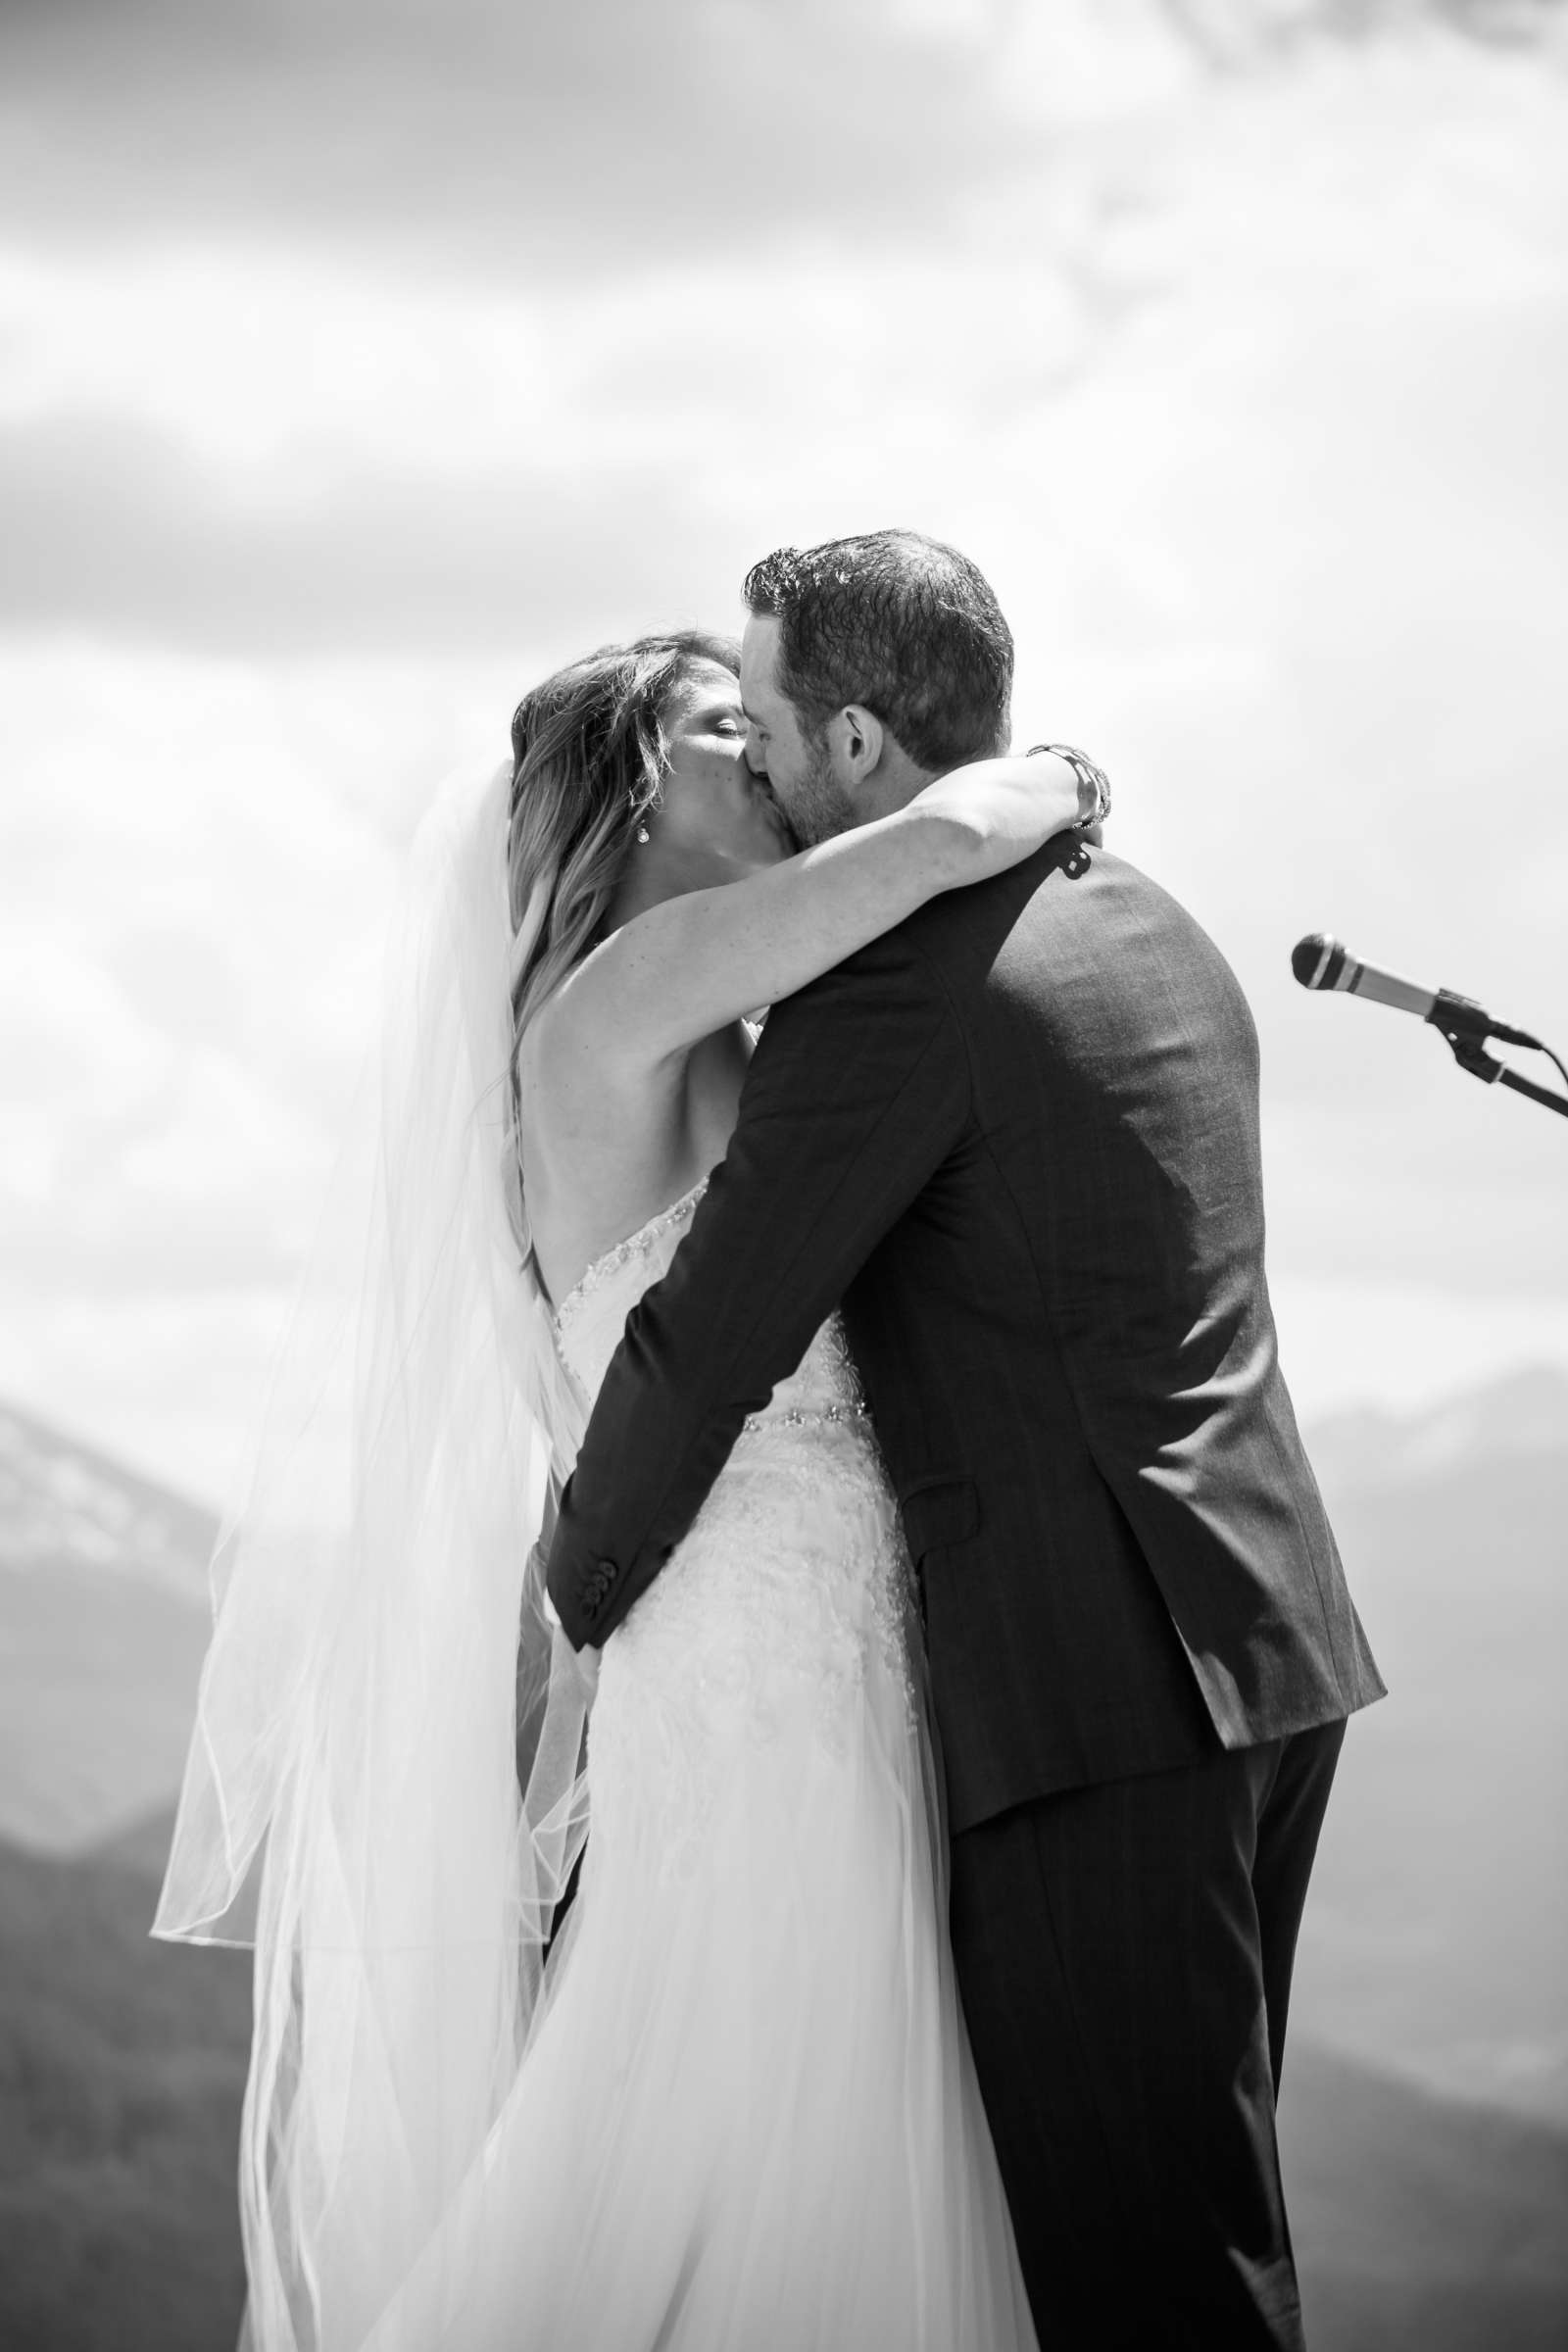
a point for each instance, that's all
(62, 1501)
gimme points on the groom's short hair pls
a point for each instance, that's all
(899, 623)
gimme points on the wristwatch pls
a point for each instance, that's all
(1090, 778)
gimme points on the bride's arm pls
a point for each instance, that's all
(691, 964)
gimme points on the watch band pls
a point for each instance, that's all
(1090, 778)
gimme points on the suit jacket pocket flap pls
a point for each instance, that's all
(938, 1511)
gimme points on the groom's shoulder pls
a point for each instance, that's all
(1078, 901)
(1100, 953)
(1068, 914)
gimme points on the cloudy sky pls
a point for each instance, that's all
(359, 362)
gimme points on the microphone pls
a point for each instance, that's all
(1320, 961)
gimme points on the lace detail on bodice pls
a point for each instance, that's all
(592, 1316)
(644, 1243)
(792, 1587)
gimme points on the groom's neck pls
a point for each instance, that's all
(892, 785)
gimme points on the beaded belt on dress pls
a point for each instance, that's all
(802, 1416)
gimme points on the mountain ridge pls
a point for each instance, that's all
(1425, 2117)
(1437, 1937)
(1422, 2225)
(63, 1497)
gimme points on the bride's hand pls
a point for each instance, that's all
(576, 1668)
(585, 1665)
(1016, 804)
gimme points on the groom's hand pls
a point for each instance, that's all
(571, 1599)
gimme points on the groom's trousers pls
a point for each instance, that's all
(1124, 1952)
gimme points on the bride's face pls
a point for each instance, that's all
(712, 811)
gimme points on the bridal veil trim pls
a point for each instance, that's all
(384, 1790)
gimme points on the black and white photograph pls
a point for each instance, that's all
(783, 1176)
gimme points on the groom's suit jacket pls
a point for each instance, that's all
(1017, 1138)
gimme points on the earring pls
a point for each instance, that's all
(643, 835)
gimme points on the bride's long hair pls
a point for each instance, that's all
(385, 1790)
(589, 754)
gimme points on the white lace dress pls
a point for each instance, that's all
(748, 2118)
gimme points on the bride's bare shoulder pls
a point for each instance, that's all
(567, 1049)
(582, 1091)
(603, 1144)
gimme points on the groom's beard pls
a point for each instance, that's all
(819, 808)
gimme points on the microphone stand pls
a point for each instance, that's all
(1472, 1056)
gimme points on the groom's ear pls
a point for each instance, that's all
(858, 738)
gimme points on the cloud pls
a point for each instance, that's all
(118, 530)
(550, 142)
(544, 139)
(289, 459)
(1245, 391)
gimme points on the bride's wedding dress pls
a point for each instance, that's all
(747, 2117)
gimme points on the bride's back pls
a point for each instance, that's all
(631, 790)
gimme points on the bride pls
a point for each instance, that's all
(722, 2098)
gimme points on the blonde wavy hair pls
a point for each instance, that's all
(590, 751)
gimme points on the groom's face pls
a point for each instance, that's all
(800, 767)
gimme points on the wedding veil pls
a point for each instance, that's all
(383, 1790)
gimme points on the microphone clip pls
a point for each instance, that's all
(1472, 1056)
(1461, 1017)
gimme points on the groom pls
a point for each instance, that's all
(1017, 1138)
